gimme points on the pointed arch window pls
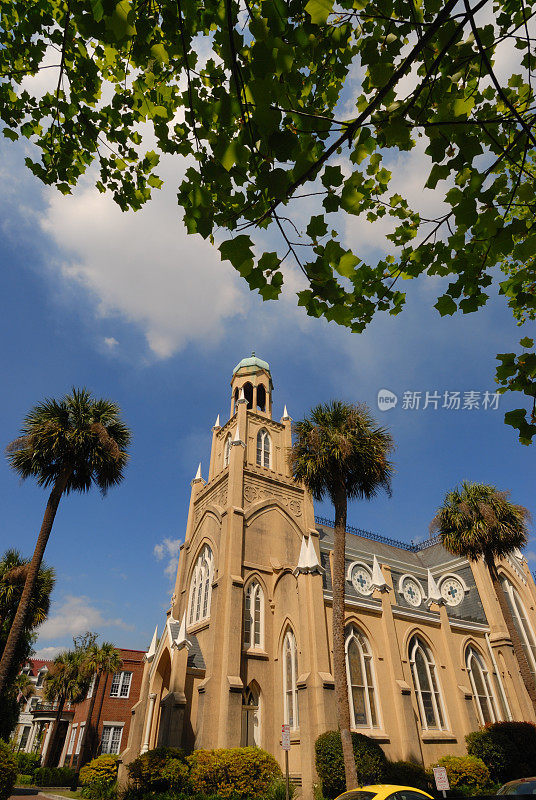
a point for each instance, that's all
(486, 706)
(254, 616)
(522, 624)
(426, 685)
(227, 450)
(361, 687)
(263, 448)
(290, 680)
(201, 586)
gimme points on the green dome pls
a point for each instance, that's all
(252, 361)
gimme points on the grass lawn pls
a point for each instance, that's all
(61, 792)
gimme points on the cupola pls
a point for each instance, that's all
(252, 382)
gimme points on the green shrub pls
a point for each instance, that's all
(369, 758)
(278, 790)
(154, 771)
(103, 768)
(236, 772)
(508, 749)
(24, 780)
(8, 771)
(54, 776)
(466, 774)
(407, 773)
(27, 763)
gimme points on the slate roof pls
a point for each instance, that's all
(401, 559)
(195, 656)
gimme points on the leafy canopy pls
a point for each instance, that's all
(477, 520)
(79, 436)
(340, 447)
(296, 116)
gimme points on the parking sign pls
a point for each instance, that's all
(285, 737)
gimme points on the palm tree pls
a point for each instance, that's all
(99, 660)
(68, 444)
(13, 573)
(23, 687)
(67, 681)
(339, 451)
(478, 521)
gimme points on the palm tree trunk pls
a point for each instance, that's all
(54, 734)
(85, 736)
(339, 656)
(96, 742)
(524, 668)
(17, 627)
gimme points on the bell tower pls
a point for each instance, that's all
(252, 377)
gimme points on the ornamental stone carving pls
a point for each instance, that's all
(254, 492)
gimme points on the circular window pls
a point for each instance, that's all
(412, 592)
(362, 579)
(452, 591)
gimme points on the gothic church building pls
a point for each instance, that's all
(246, 644)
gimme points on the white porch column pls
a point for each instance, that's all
(31, 738)
(150, 712)
(47, 740)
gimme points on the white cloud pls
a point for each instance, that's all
(110, 342)
(168, 549)
(48, 653)
(75, 615)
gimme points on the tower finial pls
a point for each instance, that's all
(217, 423)
(285, 414)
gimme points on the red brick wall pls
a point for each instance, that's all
(114, 709)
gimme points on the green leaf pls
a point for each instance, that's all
(446, 305)
(317, 227)
(347, 264)
(159, 52)
(319, 10)
(239, 251)
(526, 342)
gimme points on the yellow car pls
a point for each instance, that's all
(385, 791)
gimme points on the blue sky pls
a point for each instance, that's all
(133, 309)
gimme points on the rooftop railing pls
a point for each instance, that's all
(412, 547)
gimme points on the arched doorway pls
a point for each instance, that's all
(251, 717)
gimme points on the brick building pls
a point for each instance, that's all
(110, 719)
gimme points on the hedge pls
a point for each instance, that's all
(370, 760)
(467, 774)
(407, 773)
(27, 763)
(54, 776)
(158, 771)
(508, 749)
(8, 771)
(237, 772)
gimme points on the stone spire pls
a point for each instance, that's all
(378, 580)
(285, 414)
(434, 595)
(308, 561)
(150, 654)
(217, 423)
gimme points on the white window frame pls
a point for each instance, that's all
(80, 737)
(117, 686)
(264, 449)
(253, 614)
(41, 677)
(227, 450)
(72, 737)
(523, 627)
(201, 587)
(365, 654)
(290, 681)
(438, 706)
(113, 727)
(474, 661)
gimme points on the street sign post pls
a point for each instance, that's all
(441, 780)
(285, 744)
